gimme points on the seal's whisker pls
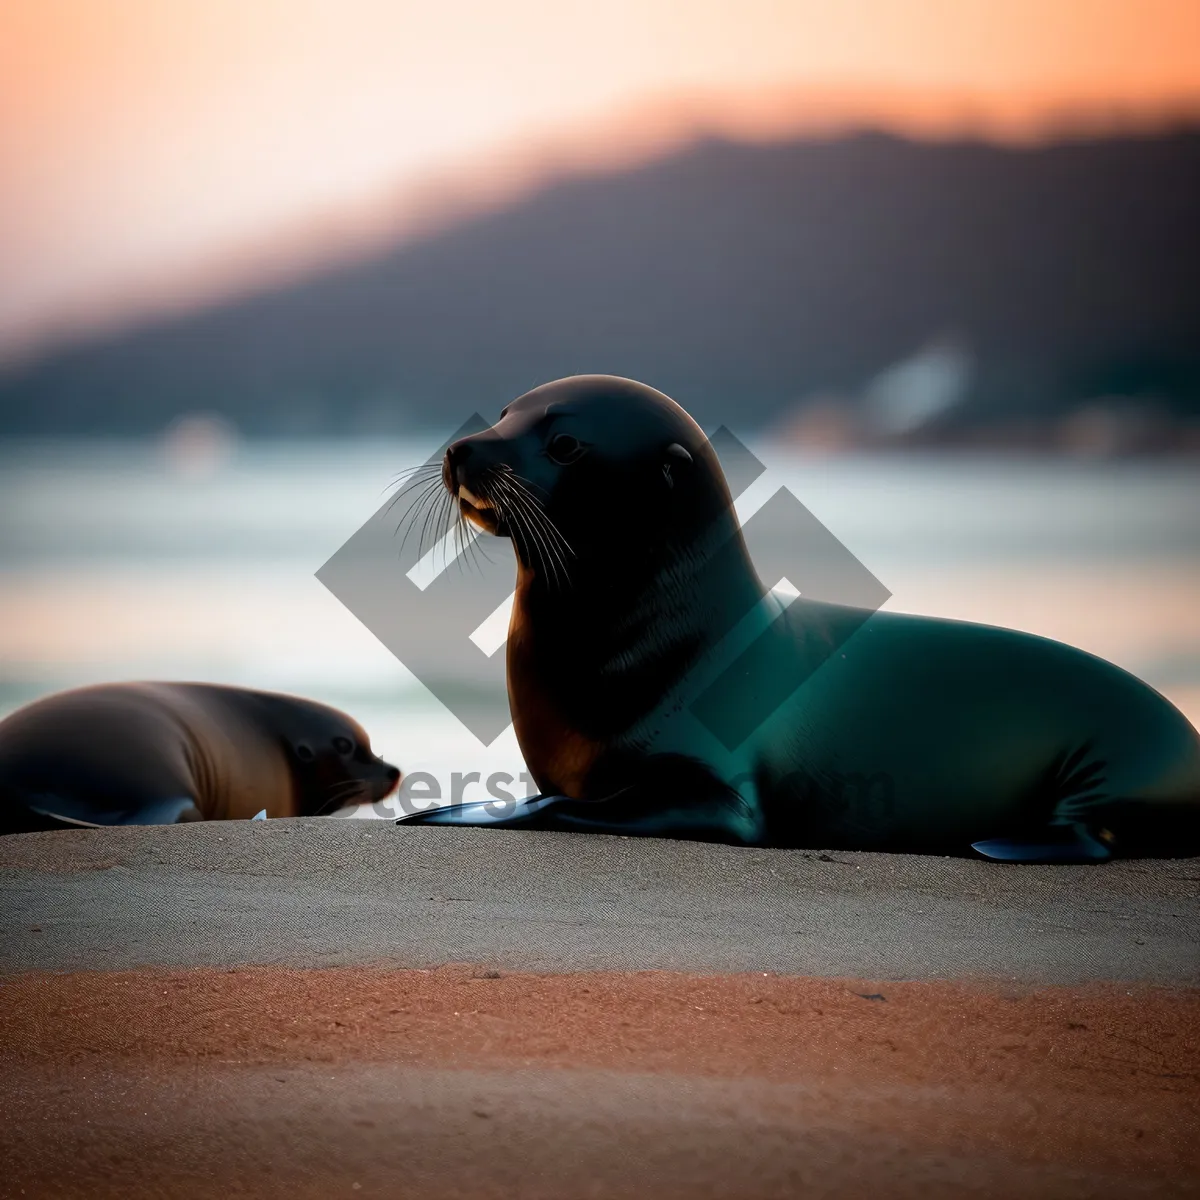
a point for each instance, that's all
(540, 518)
(409, 474)
(540, 530)
(518, 519)
(430, 525)
(439, 513)
(414, 513)
(554, 537)
(479, 548)
(535, 534)
(342, 794)
(419, 520)
(420, 509)
(539, 505)
(421, 466)
(538, 508)
(551, 554)
(419, 479)
(414, 507)
(529, 550)
(511, 509)
(473, 547)
(414, 516)
(534, 490)
(461, 538)
(526, 550)
(513, 518)
(464, 535)
(475, 550)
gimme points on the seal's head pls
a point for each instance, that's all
(587, 473)
(630, 559)
(329, 753)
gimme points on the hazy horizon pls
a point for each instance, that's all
(154, 158)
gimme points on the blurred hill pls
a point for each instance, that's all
(935, 292)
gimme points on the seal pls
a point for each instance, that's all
(158, 753)
(639, 627)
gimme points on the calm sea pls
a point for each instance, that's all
(118, 561)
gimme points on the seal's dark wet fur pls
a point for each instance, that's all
(917, 734)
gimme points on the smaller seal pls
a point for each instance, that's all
(159, 753)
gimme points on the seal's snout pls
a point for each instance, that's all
(456, 466)
(381, 788)
(460, 470)
(464, 472)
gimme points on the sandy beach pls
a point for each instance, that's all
(323, 1008)
(472, 1081)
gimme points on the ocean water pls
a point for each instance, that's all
(122, 561)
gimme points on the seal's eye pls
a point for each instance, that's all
(564, 449)
(304, 752)
(343, 745)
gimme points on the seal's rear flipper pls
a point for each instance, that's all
(1073, 843)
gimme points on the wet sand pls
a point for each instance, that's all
(475, 1081)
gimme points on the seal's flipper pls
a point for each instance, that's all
(73, 811)
(40, 813)
(482, 812)
(701, 808)
(1072, 843)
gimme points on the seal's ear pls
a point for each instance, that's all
(675, 454)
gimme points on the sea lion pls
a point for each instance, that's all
(158, 753)
(893, 732)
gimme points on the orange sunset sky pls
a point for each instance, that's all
(144, 143)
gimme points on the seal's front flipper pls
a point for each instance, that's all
(72, 810)
(482, 812)
(1073, 843)
(669, 796)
